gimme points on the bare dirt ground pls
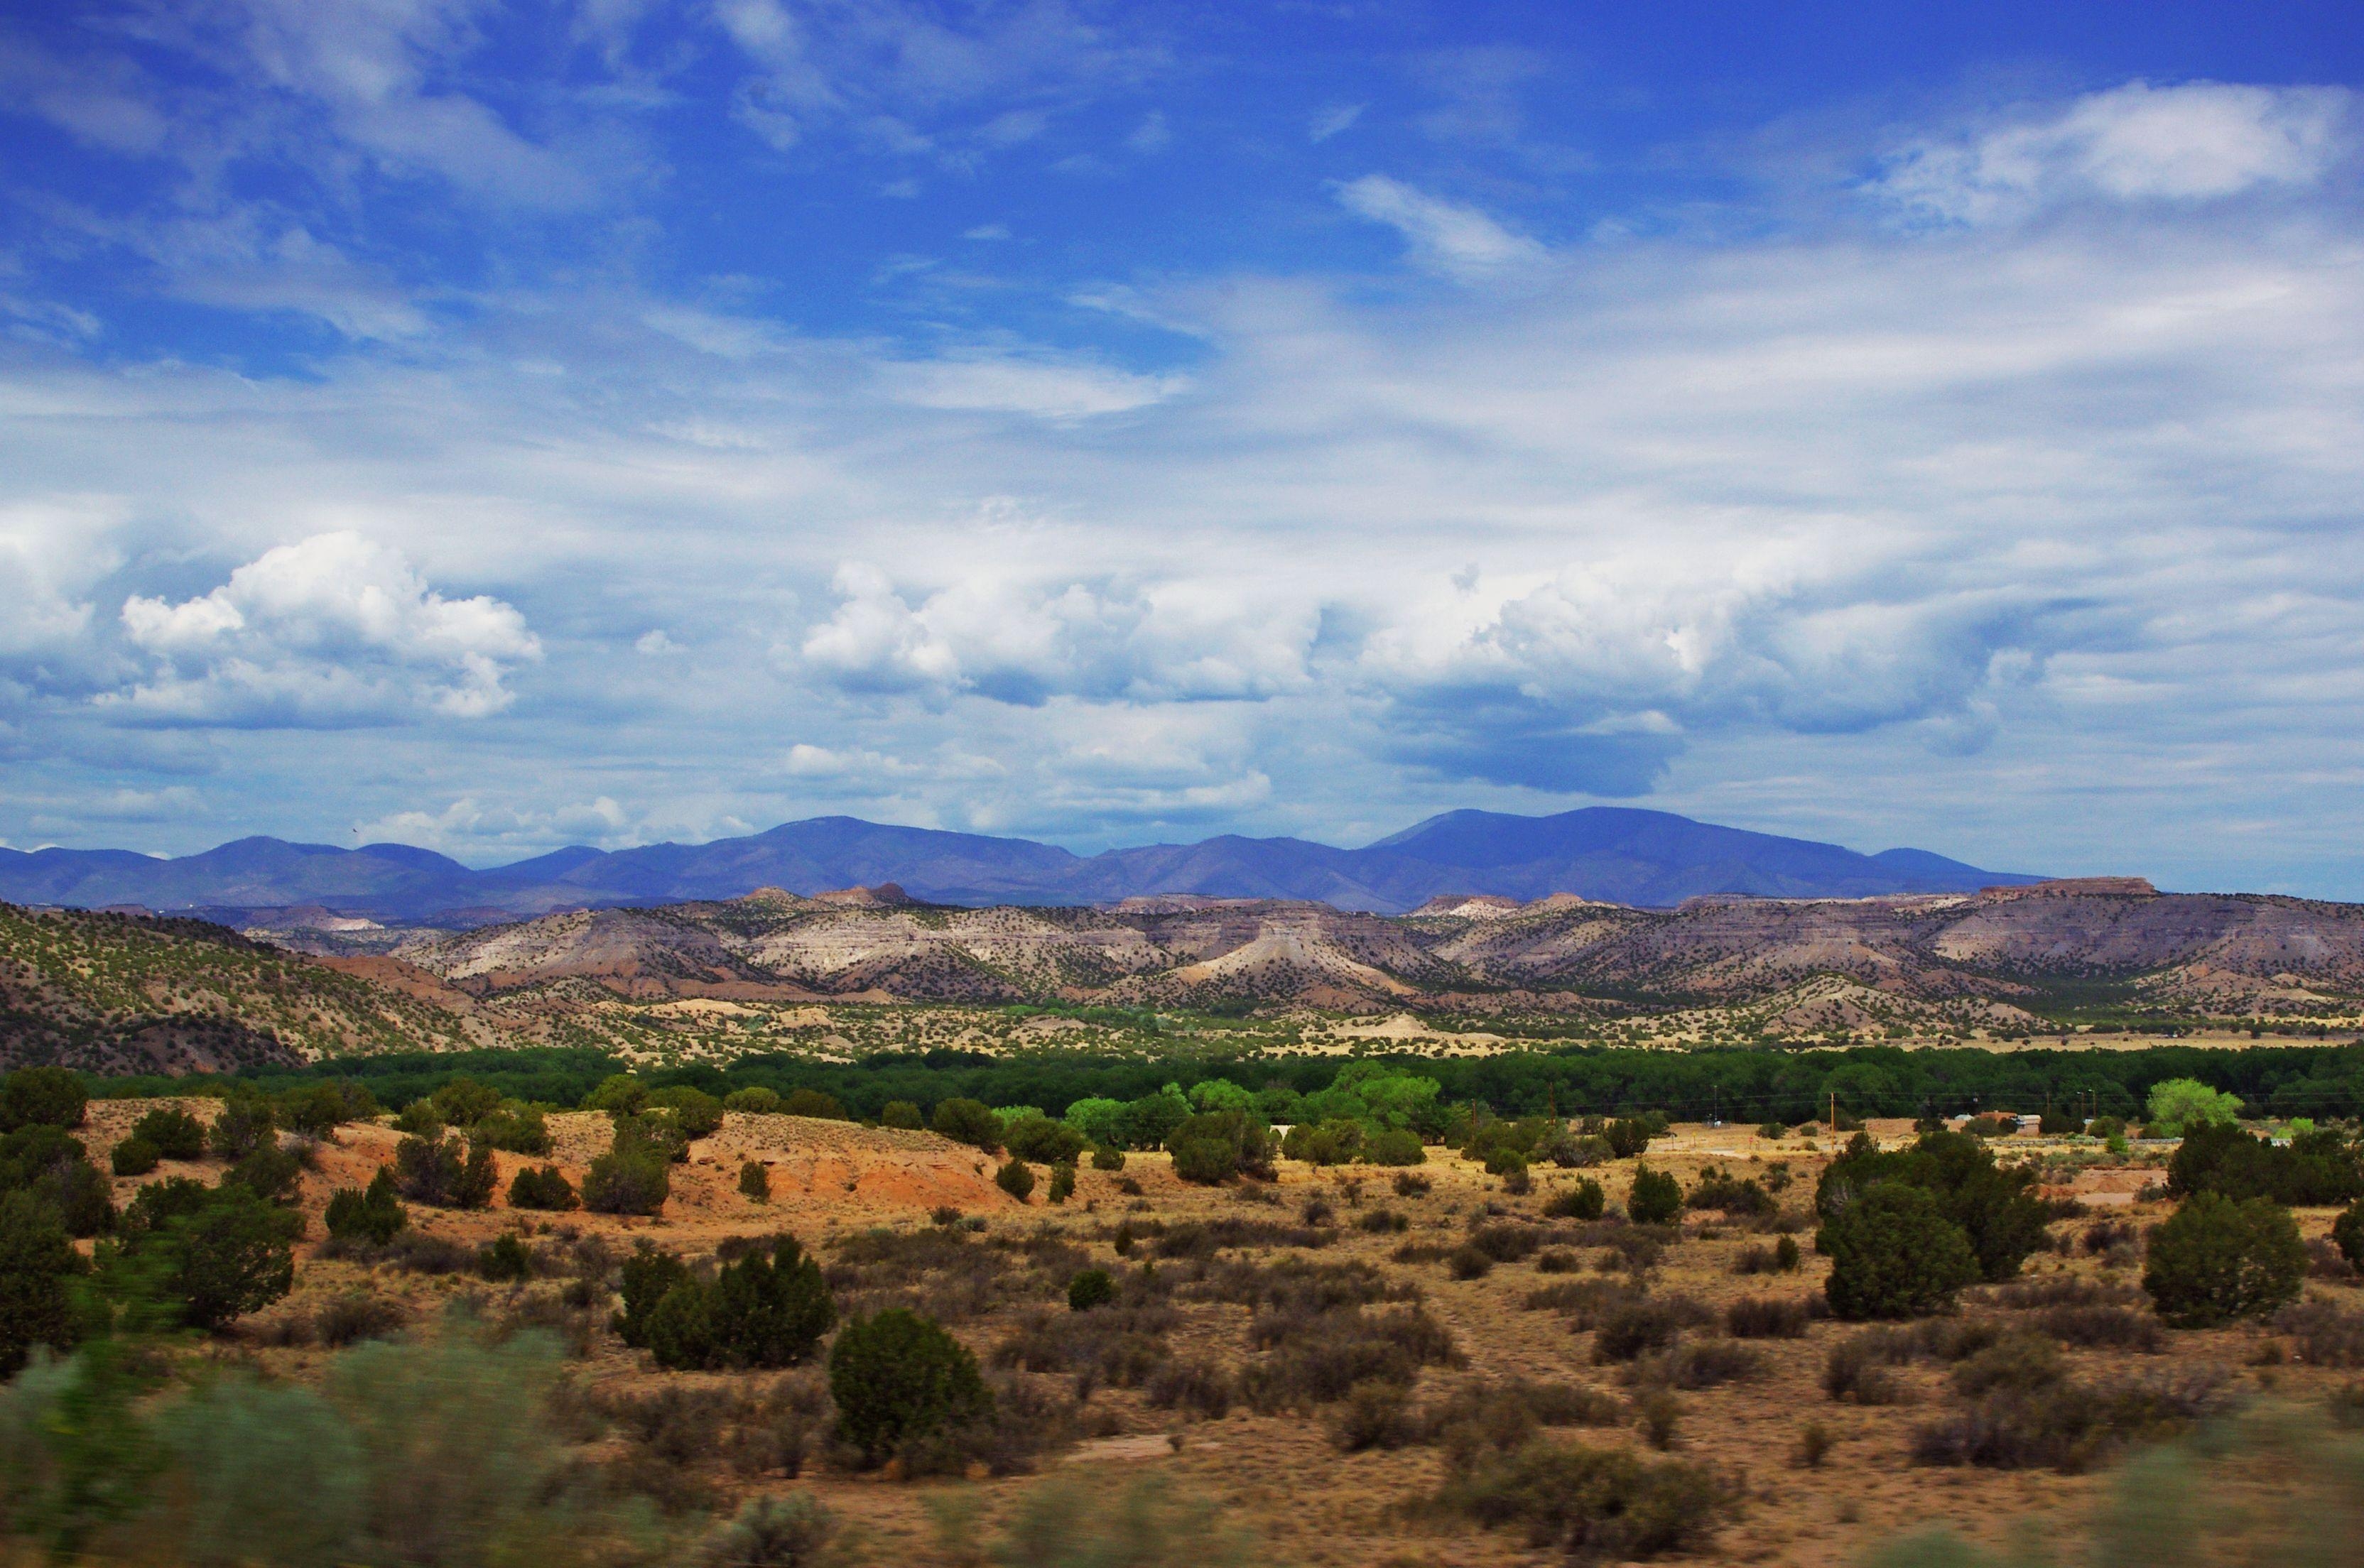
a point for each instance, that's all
(1281, 1476)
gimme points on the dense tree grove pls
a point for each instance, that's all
(1744, 1084)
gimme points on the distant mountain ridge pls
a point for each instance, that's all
(1648, 858)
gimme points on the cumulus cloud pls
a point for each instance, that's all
(334, 629)
(1023, 642)
(2185, 142)
(1459, 242)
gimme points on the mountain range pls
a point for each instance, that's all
(1645, 859)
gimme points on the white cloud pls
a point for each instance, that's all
(334, 630)
(1459, 242)
(1333, 121)
(1048, 389)
(1023, 642)
(2195, 142)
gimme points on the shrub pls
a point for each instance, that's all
(1038, 1139)
(513, 1126)
(895, 1376)
(646, 1277)
(1634, 1325)
(619, 1093)
(1592, 1504)
(1063, 1182)
(1200, 1388)
(1394, 1146)
(546, 1188)
(1466, 1263)
(504, 1259)
(694, 1113)
(968, 1121)
(443, 1172)
(769, 1308)
(902, 1114)
(2315, 1167)
(1107, 1159)
(355, 1316)
(1894, 1254)
(1692, 1363)
(772, 1533)
(1741, 1198)
(219, 1254)
(243, 1126)
(755, 1180)
(135, 1156)
(2102, 1327)
(1215, 1146)
(1997, 1216)
(1656, 1197)
(1091, 1288)
(2030, 1416)
(270, 1173)
(755, 1100)
(1016, 1179)
(37, 1258)
(42, 1096)
(2347, 1234)
(1767, 1318)
(2323, 1335)
(2215, 1260)
(1626, 1137)
(1782, 1257)
(626, 1182)
(1505, 1162)
(373, 1214)
(1411, 1184)
(1336, 1141)
(176, 1134)
(1382, 1222)
(1583, 1201)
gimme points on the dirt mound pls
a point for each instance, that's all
(883, 1171)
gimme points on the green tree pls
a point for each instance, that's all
(37, 1260)
(2178, 1105)
(626, 1182)
(546, 1188)
(373, 1214)
(245, 1124)
(898, 1376)
(1091, 1288)
(231, 1254)
(176, 1134)
(1215, 1146)
(42, 1096)
(1655, 1198)
(968, 1121)
(755, 1101)
(1063, 1181)
(2348, 1233)
(2217, 1259)
(647, 1276)
(1016, 1179)
(755, 1180)
(1894, 1254)
(902, 1114)
(134, 1156)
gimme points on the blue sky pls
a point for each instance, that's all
(612, 420)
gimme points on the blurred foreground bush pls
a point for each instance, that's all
(2276, 1486)
(427, 1454)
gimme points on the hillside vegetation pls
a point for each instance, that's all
(131, 994)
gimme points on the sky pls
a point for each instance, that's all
(494, 427)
